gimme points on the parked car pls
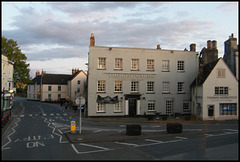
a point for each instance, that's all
(63, 100)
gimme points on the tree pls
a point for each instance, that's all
(13, 52)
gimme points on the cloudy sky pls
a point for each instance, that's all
(55, 36)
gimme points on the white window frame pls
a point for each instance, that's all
(180, 66)
(118, 107)
(151, 105)
(180, 87)
(101, 86)
(134, 86)
(102, 63)
(186, 106)
(118, 65)
(221, 91)
(165, 65)
(150, 87)
(150, 64)
(118, 86)
(135, 64)
(221, 73)
(101, 108)
(165, 87)
(169, 106)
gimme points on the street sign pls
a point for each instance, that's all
(80, 101)
(73, 126)
(81, 108)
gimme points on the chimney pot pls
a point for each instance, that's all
(92, 40)
(37, 73)
(214, 44)
(209, 44)
(158, 46)
(193, 47)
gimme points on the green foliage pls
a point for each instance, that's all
(13, 52)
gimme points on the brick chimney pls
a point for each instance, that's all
(214, 44)
(92, 40)
(37, 73)
(158, 46)
(73, 71)
(43, 72)
(209, 44)
(193, 47)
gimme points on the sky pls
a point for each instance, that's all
(55, 36)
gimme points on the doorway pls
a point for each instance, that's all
(210, 110)
(132, 107)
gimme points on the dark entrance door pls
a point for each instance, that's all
(132, 107)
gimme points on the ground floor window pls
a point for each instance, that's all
(118, 107)
(186, 107)
(151, 106)
(101, 107)
(169, 106)
(228, 108)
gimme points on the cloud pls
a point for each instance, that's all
(62, 30)
(228, 7)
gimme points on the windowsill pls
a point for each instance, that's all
(151, 111)
(150, 70)
(165, 92)
(181, 93)
(150, 92)
(134, 70)
(165, 70)
(118, 92)
(101, 69)
(101, 92)
(101, 112)
(134, 92)
(118, 69)
(181, 71)
(118, 111)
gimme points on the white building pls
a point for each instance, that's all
(7, 74)
(138, 81)
(217, 92)
(51, 87)
(7, 85)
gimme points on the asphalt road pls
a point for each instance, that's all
(37, 132)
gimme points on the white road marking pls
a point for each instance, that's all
(124, 143)
(9, 139)
(93, 151)
(154, 142)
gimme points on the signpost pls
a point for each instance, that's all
(80, 101)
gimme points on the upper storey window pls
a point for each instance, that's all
(118, 64)
(102, 63)
(135, 64)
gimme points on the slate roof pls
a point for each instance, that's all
(207, 69)
(55, 78)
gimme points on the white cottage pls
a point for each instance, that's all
(216, 92)
(51, 87)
